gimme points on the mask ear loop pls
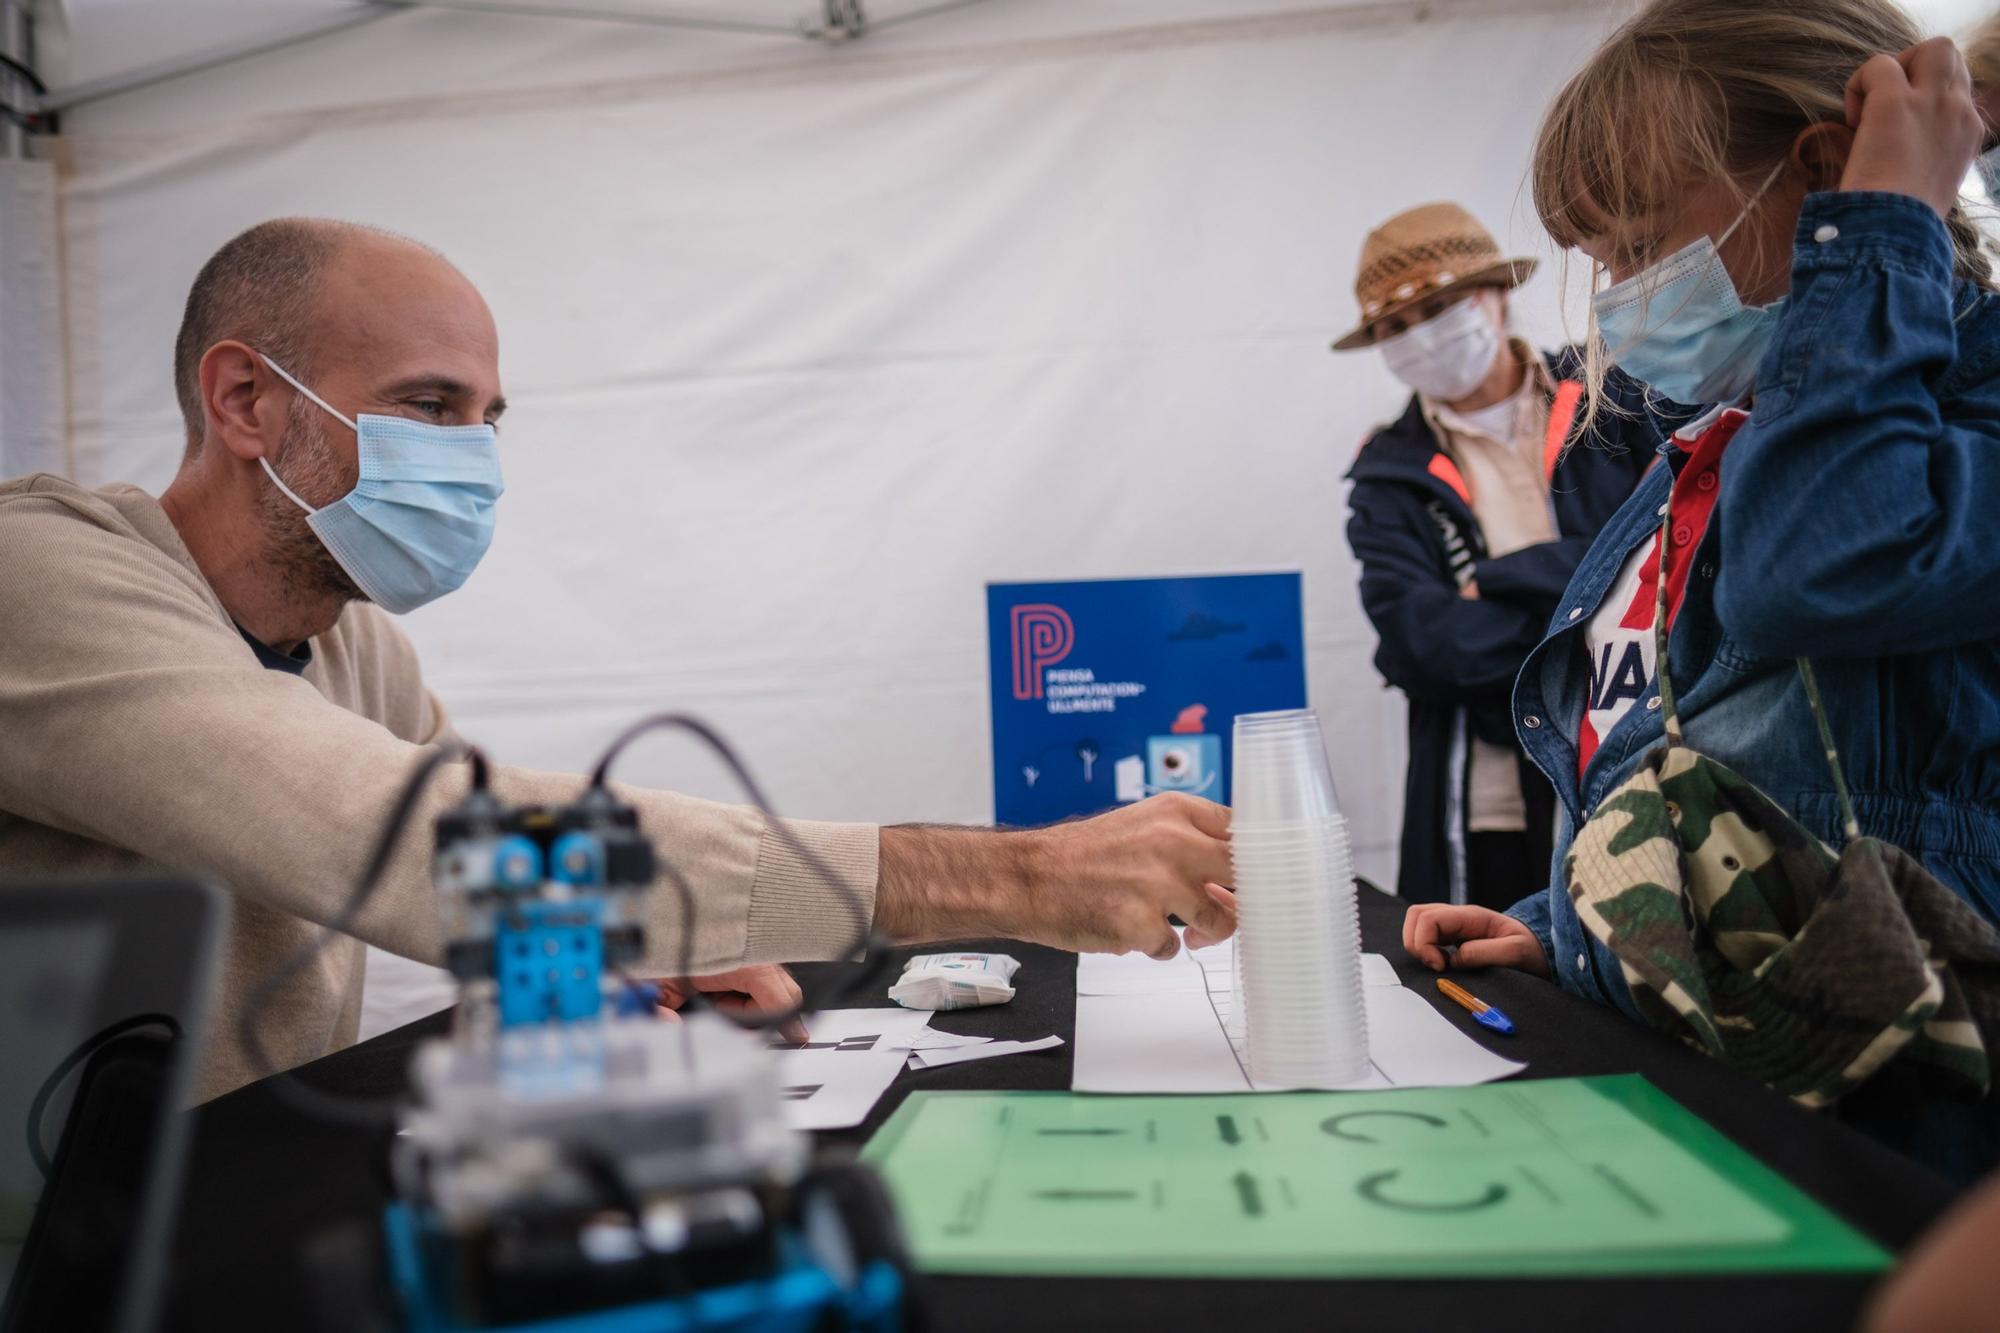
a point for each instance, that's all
(288, 378)
(1749, 204)
(1752, 203)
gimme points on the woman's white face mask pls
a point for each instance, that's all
(1447, 357)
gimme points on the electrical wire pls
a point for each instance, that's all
(872, 948)
(373, 1113)
(39, 1107)
(361, 1112)
(34, 80)
(33, 121)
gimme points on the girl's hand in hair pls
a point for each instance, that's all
(1916, 124)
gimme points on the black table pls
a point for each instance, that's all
(264, 1181)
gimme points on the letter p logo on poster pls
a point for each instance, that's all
(1104, 691)
(1043, 636)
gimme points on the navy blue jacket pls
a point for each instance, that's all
(1857, 522)
(1412, 530)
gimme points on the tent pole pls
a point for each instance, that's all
(844, 19)
(95, 90)
(17, 42)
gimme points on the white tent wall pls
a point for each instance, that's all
(804, 350)
(33, 430)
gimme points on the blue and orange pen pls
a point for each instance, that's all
(1482, 1013)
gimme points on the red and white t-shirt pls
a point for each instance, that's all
(1619, 638)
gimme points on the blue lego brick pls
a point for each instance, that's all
(549, 961)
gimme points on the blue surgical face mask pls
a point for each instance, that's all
(421, 515)
(1680, 326)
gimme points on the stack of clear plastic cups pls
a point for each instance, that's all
(1298, 936)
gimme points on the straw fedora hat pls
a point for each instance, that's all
(1421, 253)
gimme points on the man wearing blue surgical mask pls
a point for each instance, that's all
(208, 681)
(1468, 515)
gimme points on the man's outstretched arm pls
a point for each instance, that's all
(133, 715)
(1107, 883)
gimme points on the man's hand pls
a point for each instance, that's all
(1485, 938)
(1916, 124)
(1116, 879)
(763, 989)
(1105, 884)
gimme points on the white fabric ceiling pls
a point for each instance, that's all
(806, 343)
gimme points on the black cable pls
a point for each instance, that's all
(96, 1042)
(602, 1170)
(873, 950)
(36, 122)
(364, 1112)
(34, 79)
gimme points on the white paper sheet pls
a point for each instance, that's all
(1136, 974)
(933, 1059)
(930, 1039)
(849, 1059)
(1171, 1042)
(1175, 1041)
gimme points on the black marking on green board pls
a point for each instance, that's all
(1225, 1125)
(1247, 1194)
(1080, 1133)
(1332, 1124)
(1624, 1189)
(1541, 1186)
(1370, 1188)
(1086, 1196)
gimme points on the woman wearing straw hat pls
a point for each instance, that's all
(1468, 515)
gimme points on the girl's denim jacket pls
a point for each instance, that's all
(1857, 523)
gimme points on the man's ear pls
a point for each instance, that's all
(1821, 150)
(242, 407)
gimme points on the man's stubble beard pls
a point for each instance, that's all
(308, 465)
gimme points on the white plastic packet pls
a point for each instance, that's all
(955, 980)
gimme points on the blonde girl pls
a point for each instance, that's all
(1769, 189)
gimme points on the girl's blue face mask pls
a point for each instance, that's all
(420, 516)
(1679, 325)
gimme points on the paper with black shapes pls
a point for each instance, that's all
(847, 1061)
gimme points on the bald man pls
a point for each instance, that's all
(207, 681)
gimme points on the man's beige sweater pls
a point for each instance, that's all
(137, 730)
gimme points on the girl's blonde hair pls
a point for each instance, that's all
(1982, 54)
(1692, 91)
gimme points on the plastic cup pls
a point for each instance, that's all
(1279, 772)
(1298, 962)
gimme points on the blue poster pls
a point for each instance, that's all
(1106, 691)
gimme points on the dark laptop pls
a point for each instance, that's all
(104, 986)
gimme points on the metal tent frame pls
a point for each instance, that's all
(29, 107)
